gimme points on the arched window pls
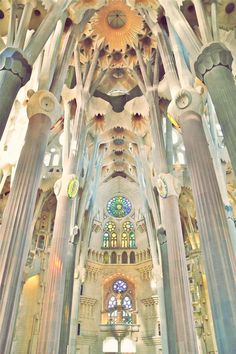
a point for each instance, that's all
(105, 240)
(129, 235)
(124, 240)
(113, 258)
(126, 302)
(106, 258)
(109, 235)
(132, 243)
(124, 258)
(132, 257)
(113, 240)
(119, 303)
(112, 303)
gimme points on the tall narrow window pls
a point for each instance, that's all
(124, 240)
(106, 258)
(128, 235)
(132, 257)
(124, 258)
(109, 235)
(113, 258)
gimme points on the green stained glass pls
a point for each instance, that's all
(109, 235)
(119, 207)
(128, 228)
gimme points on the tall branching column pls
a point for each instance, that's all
(65, 326)
(213, 67)
(150, 204)
(82, 251)
(180, 294)
(170, 215)
(43, 110)
(65, 189)
(216, 243)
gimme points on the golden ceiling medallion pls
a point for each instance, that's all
(116, 19)
(118, 25)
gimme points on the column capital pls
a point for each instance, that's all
(187, 100)
(13, 60)
(43, 102)
(67, 186)
(215, 54)
(167, 185)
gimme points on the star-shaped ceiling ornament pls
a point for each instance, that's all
(118, 25)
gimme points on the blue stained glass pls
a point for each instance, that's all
(120, 286)
(119, 207)
(126, 302)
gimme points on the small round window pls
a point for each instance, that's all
(119, 286)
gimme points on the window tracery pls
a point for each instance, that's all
(119, 206)
(120, 302)
(128, 235)
(109, 235)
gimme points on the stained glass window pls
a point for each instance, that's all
(132, 242)
(109, 235)
(124, 240)
(105, 239)
(128, 236)
(120, 303)
(113, 239)
(126, 302)
(120, 286)
(112, 303)
(119, 207)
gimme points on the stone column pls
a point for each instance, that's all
(213, 67)
(50, 325)
(14, 73)
(70, 267)
(171, 336)
(42, 110)
(78, 280)
(180, 293)
(215, 238)
(82, 253)
(170, 216)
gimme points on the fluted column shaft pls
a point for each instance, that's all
(180, 293)
(14, 73)
(213, 67)
(169, 209)
(171, 336)
(50, 325)
(81, 256)
(70, 267)
(74, 315)
(17, 218)
(49, 336)
(215, 237)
